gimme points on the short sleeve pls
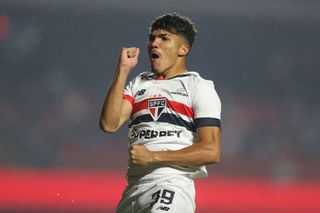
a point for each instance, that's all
(131, 88)
(128, 94)
(206, 105)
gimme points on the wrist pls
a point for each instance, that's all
(124, 69)
(156, 157)
(121, 74)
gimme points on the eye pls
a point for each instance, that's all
(165, 38)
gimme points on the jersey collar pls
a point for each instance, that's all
(186, 74)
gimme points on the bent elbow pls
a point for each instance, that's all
(107, 128)
(215, 158)
(214, 161)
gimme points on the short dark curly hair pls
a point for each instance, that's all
(176, 24)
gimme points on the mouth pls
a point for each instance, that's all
(154, 55)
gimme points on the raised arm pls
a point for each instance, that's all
(116, 110)
(206, 151)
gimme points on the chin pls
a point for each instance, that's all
(155, 70)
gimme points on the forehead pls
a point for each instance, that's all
(162, 32)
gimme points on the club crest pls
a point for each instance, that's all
(156, 107)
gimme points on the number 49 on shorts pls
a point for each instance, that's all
(164, 196)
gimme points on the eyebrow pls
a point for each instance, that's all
(165, 34)
(161, 34)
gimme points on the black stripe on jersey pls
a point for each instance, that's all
(200, 122)
(167, 118)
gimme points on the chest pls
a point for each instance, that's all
(176, 90)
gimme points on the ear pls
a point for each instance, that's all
(184, 50)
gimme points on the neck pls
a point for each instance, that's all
(171, 74)
(173, 71)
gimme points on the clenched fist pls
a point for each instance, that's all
(140, 155)
(129, 57)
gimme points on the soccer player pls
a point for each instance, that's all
(174, 128)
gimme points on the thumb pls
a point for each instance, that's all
(137, 51)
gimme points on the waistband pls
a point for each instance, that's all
(158, 174)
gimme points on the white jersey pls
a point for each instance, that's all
(165, 116)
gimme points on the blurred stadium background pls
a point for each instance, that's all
(57, 58)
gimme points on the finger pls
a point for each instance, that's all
(132, 52)
(123, 51)
(137, 51)
(131, 152)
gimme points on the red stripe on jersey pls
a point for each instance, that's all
(129, 98)
(181, 108)
(176, 106)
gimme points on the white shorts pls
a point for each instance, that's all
(159, 194)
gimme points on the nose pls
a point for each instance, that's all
(154, 43)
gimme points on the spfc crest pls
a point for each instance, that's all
(156, 107)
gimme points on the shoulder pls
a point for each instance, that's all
(142, 77)
(198, 81)
(146, 75)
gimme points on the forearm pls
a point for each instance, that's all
(195, 155)
(111, 110)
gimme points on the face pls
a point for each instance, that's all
(165, 51)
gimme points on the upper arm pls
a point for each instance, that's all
(126, 109)
(207, 106)
(210, 136)
(127, 104)
(117, 118)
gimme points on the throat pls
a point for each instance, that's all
(165, 75)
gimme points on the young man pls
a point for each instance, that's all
(175, 121)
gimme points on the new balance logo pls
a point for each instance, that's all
(140, 92)
(163, 208)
